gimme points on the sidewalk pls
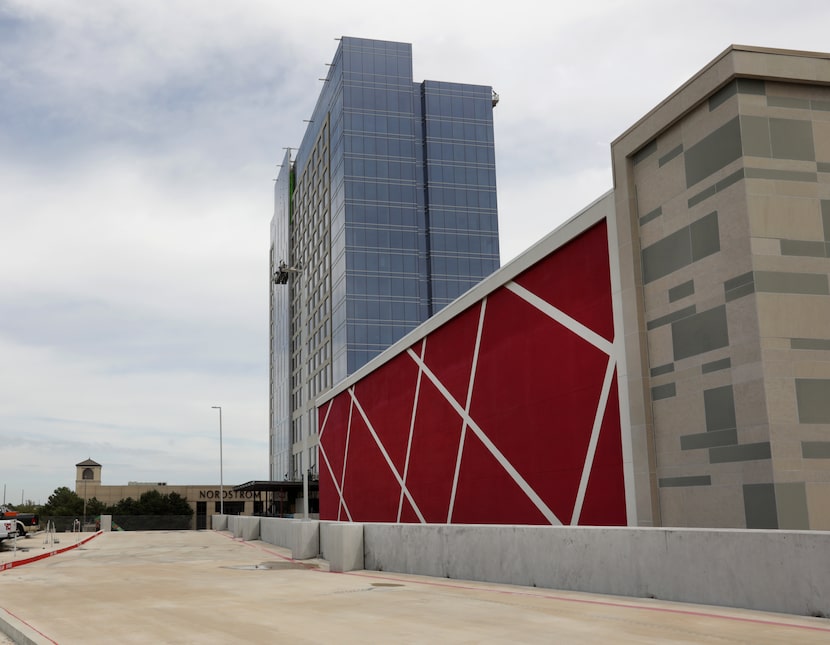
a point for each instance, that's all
(206, 587)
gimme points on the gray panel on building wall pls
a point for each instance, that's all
(744, 452)
(738, 280)
(806, 248)
(670, 318)
(668, 368)
(800, 283)
(783, 175)
(816, 104)
(705, 236)
(671, 154)
(722, 95)
(791, 502)
(692, 480)
(815, 449)
(657, 212)
(713, 152)
(751, 86)
(755, 136)
(682, 291)
(715, 366)
(823, 166)
(792, 139)
(668, 255)
(788, 102)
(681, 248)
(646, 151)
(694, 200)
(716, 187)
(700, 333)
(809, 343)
(759, 506)
(730, 179)
(709, 439)
(825, 218)
(663, 391)
(813, 397)
(719, 403)
(740, 292)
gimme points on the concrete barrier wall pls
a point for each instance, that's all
(341, 543)
(219, 522)
(247, 527)
(328, 536)
(305, 539)
(244, 527)
(301, 536)
(276, 530)
(784, 571)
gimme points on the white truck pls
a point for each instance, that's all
(10, 524)
(8, 529)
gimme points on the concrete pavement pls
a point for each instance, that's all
(206, 587)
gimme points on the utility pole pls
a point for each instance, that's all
(221, 483)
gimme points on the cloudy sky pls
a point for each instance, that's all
(138, 143)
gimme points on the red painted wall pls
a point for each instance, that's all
(506, 414)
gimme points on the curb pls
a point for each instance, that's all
(16, 628)
(20, 631)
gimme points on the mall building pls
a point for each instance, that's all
(204, 500)
(661, 359)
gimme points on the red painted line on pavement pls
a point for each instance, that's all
(41, 556)
(33, 628)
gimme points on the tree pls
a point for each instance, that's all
(29, 507)
(126, 506)
(153, 503)
(94, 507)
(63, 503)
(178, 505)
(153, 511)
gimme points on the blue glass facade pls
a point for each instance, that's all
(393, 216)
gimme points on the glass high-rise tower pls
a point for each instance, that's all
(385, 214)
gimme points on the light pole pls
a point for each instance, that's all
(281, 276)
(221, 484)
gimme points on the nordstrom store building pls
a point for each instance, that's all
(204, 500)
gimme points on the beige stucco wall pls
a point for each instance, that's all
(729, 349)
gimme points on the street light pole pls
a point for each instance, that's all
(221, 484)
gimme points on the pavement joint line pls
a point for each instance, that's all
(586, 601)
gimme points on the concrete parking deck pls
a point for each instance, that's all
(206, 587)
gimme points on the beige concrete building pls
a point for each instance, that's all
(722, 199)
(203, 499)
